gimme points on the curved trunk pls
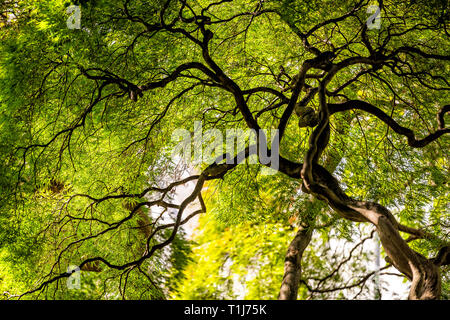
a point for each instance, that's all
(424, 274)
(316, 180)
(292, 262)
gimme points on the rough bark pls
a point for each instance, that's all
(292, 264)
(423, 273)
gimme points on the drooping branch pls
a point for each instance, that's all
(150, 250)
(214, 171)
(358, 283)
(397, 128)
(134, 90)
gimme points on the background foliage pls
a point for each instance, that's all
(63, 135)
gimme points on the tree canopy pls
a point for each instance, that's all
(354, 92)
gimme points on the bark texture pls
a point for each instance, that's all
(423, 273)
(292, 264)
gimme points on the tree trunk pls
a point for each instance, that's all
(424, 273)
(292, 264)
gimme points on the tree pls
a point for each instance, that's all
(87, 117)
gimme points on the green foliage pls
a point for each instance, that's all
(63, 135)
(243, 261)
